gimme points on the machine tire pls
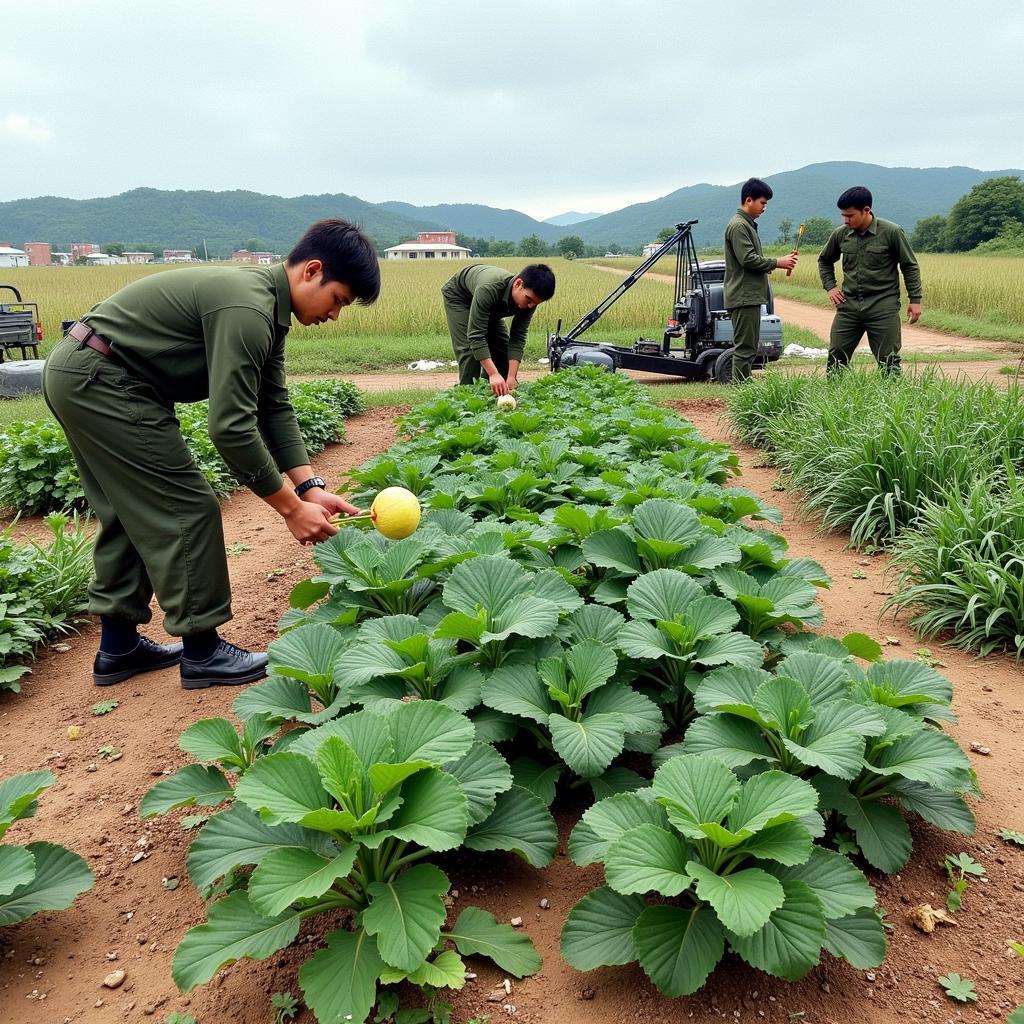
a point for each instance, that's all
(723, 367)
(706, 361)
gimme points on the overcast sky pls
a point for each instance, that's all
(539, 106)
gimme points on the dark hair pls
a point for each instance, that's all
(857, 198)
(347, 255)
(755, 188)
(540, 279)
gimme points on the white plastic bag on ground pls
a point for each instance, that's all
(792, 349)
(428, 364)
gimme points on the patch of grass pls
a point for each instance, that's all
(31, 407)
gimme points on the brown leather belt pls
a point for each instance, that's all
(88, 336)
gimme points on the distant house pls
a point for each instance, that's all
(61, 259)
(178, 256)
(101, 259)
(38, 254)
(139, 257)
(652, 247)
(79, 250)
(259, 258)
(11, 257)
(431, 245)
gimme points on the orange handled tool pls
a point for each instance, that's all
(796, 246)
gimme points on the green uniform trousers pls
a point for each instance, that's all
(880, 318)
(746, 335)
(469, 366)
(160, 526)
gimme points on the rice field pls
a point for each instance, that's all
(975, 295)
(409, 305)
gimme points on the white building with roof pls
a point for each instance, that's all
(11, 257)
(431, 245)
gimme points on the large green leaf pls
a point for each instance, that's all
(599, 930)
(639, 714)
(771, 798)
(642, 639)
(743, 900)
(434, 812)
(788, 843)
(789, 944)
(60, 876)
(881, 833)
(367, 733)
(281, 698)
(446, 970)
(824, 678)
(406, 915)
(18, 796)
(483, 773)
(234, 930)
(661, 595)
(734, 741)
(858, 938)
(903, 682)
(213, 739)
(783, 703)
(340, 981)
(730, 649)
(926, 756)
(695, 790)
(838, 884)
(711, 616)
(613, 549)
(591, 665)
(17, 867)
(476, 931)
(194, 784)
(518, 690)
(678, 948)
(730, 690)
(341, 771)
(521, 823)
(364, 661)
(312, 654)
(238, 837)
(648, 859)
(287, 875)
(948, 811)
(283, 787)
(428, 731)
(589, 745)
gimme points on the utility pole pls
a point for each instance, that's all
(205, 253)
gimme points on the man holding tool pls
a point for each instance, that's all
(746, 275)
(476, 302)
(182, 336)
(873, 251)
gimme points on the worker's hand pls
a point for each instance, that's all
(787, 262)
(913, 312)
(310, 521)
(836, 296)
(332, 502)
(512, 382)
(498, 384)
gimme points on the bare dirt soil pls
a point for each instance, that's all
(52, 966)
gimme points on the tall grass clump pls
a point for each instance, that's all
(758, 404)
(961, 567)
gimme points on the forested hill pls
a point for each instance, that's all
(147, 218)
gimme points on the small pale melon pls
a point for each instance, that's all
(395, 512)
(506, 402)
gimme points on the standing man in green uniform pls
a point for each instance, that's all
(872, 250)
(746, 275)
(476, 302)
(181, 336)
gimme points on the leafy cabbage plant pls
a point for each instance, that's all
(731, 865)
(343, 821)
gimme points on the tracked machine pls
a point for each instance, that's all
(696, 344)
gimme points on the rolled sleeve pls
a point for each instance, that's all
(238, 343)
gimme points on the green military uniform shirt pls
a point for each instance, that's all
(487, 292)
(871, 262)
(746, 269)
(217, 333)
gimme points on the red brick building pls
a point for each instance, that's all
(38, 254)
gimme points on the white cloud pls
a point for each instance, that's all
(26, 127)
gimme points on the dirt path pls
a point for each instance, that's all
(818, 319)
(133, 916)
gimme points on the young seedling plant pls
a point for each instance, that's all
(960, 868)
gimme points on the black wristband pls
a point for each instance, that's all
(306, 485)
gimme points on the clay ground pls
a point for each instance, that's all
(51, 967)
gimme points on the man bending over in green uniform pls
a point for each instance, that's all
(746, 275)
(476, 302)
(869, 300)
(182, 336)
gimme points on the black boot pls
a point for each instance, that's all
(227, 666)
(147, 656)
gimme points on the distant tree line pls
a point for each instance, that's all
(534, 247)
(990, 218)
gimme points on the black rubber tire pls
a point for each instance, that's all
(21, 377)
(723, 367)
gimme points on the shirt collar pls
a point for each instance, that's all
(746, 216)
(506, 296)
(283, 304)
(871, 229)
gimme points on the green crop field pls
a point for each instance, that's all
(978, 296)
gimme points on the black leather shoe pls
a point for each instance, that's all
(227, 666)
(147, 657)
